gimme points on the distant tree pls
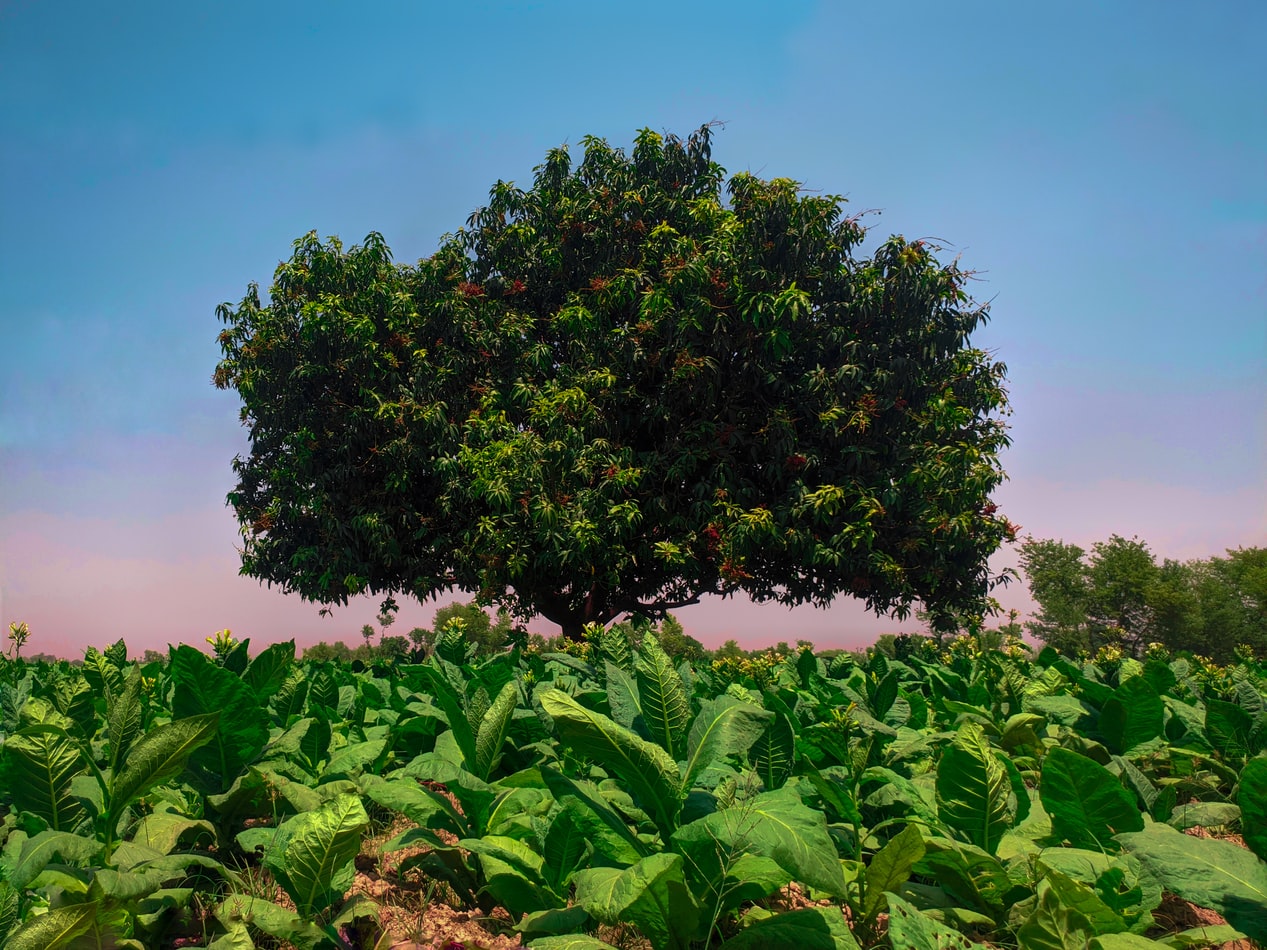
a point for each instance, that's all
(675, 641)
(487, 634)
(323, 652)
(153, 656)
(1119, 595)
(728, 650)
(420, 638)
(367, 634)
(393, 649)
(1059, 583)
(630, 386)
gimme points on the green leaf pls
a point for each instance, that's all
(569, 942)
(773, 754)
(1053, 925)
(890, 868)
(1228, 728)
(622, 695)
(353, 759)
(652, 894)
(269, 670)
(973, 789)
(313, 854)
(164, 830)
(123, 720)
(724, 726)
(40, 763)
(493, 729)
(158, 757)
(513, 874)
(779, 826)
(278, 922)
(450, 700)
(1086, 802)
(1251, 796)
(54, 930)
(1133, 716)
(614, 843)
(665, 708)
(811, 928)
(644, 767)
(40, 850)
(1202, 937)
(203, 688)
(1209, 873)
(910, 929)
(419, 804)
(565, 843)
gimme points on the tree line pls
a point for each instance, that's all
(1118, 594)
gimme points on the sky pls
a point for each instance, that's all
(1102, 167)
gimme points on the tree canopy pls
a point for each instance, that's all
(631, 385)
(1118, 595)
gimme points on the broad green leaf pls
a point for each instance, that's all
(203, 688)
(1086, 802)
(1133, 716)
(74, 699)
(123, 720)
(1251, 796)
(1204, 814)
(891, 867)
(666, 711)
(40, 850)
(1124, 941)
(565, 843)
(313, 855)
(1053, 925)
(1227, 728)
(164, 830)
(810, 928)
(450, 699)
(773, 754)
(644, 767)
(1080, 897)
(614, 843)
(723, 727)
(419, 804)
(622, 695)
(973, 789)
(1199, 937)
(556, 921)
(353, 759)
(1209, 873)
(491, 734)
(513, 874)
(157, 757)
(56, 929)
(652, 894)
(910, 929)
(269, 670)
(779, 826)
(9, 901)
(569, 942)
(278, 922)
(40, 763)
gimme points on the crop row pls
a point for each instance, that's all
(926, 802)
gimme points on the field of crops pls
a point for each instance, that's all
(608, 796)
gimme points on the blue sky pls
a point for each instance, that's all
(1104, 168)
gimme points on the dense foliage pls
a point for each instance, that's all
(1118, 595)
(631, 385)
(954, 795)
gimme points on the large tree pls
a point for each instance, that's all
(631, 385)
